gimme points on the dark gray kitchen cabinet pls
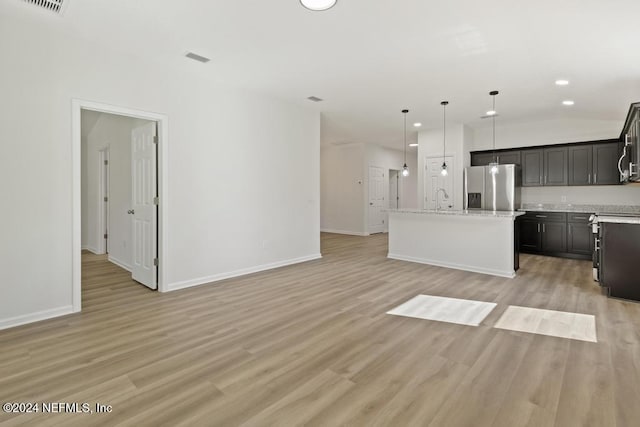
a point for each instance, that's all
(556, 233)
(594, 164)
(511, 157)
(481, 159)
(585, 163)
(532, 167)
(555, 166)
(530, 238)
(580, 165)
(579, 238)
(605, 163)
(619, 253)
(554, 237)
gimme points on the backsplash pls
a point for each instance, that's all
(620, 195)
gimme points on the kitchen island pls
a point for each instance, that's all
(471, 240)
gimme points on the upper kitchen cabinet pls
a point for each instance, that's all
(594, 164)
(580, 165)
(511, 157)
(503, 157)
(532, 167)
(584, 163)
(605, 163)
(545, 166)
(481, 159)
(555, 166)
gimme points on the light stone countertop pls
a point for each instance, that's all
(470, 213)
(597, 209)
(619, 219)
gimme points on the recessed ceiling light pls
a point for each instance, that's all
(318, 5)
(562, 82)
(568, 102)
(417, 124)
(491, 113)
(413, 144)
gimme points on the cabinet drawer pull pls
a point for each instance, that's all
(544, 229)
(538, 227)
(541, 216)
(579, 217)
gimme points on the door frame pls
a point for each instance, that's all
(162, 120)
(104, 190)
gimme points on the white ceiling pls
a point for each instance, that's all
(368, 59)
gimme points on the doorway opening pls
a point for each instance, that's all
(376, 214)
(119, 185)
(395, 188)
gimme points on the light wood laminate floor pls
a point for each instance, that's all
(312, 344)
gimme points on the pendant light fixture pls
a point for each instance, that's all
(444, 104)
(494, 163)
(318, 5)
(405, 168)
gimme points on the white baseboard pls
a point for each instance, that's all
(35, 317)
(236, 273)
(474, 269)
(92, 250)
(350, 233)
(119, 263)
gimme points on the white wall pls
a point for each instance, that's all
(243, 169)
(342, 183)
(113, 132)
(557, 132)
(387, 159)
(345, 184)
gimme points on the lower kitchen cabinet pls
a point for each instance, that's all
(620, 250)
(530, 238)
(556, 234)
(554, 237)
(579, 235)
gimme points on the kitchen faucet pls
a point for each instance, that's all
(444, 193)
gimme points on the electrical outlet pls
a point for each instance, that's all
(563, 199)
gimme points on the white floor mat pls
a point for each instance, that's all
(549, 322)
(443, 309)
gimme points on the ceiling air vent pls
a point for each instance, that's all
(197, 57)
(56, 6)
(314, 99)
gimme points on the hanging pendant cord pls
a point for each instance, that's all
(405, 138)
(444, 129)
(493, 119)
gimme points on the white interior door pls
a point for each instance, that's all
(143, 207)
(376, 199)
(434, 181)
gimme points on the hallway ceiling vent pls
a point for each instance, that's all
(56, 6)
(315, 99)
(197, 57)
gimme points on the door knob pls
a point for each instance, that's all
(131, 211)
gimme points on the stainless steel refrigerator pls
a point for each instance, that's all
(493, 188)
